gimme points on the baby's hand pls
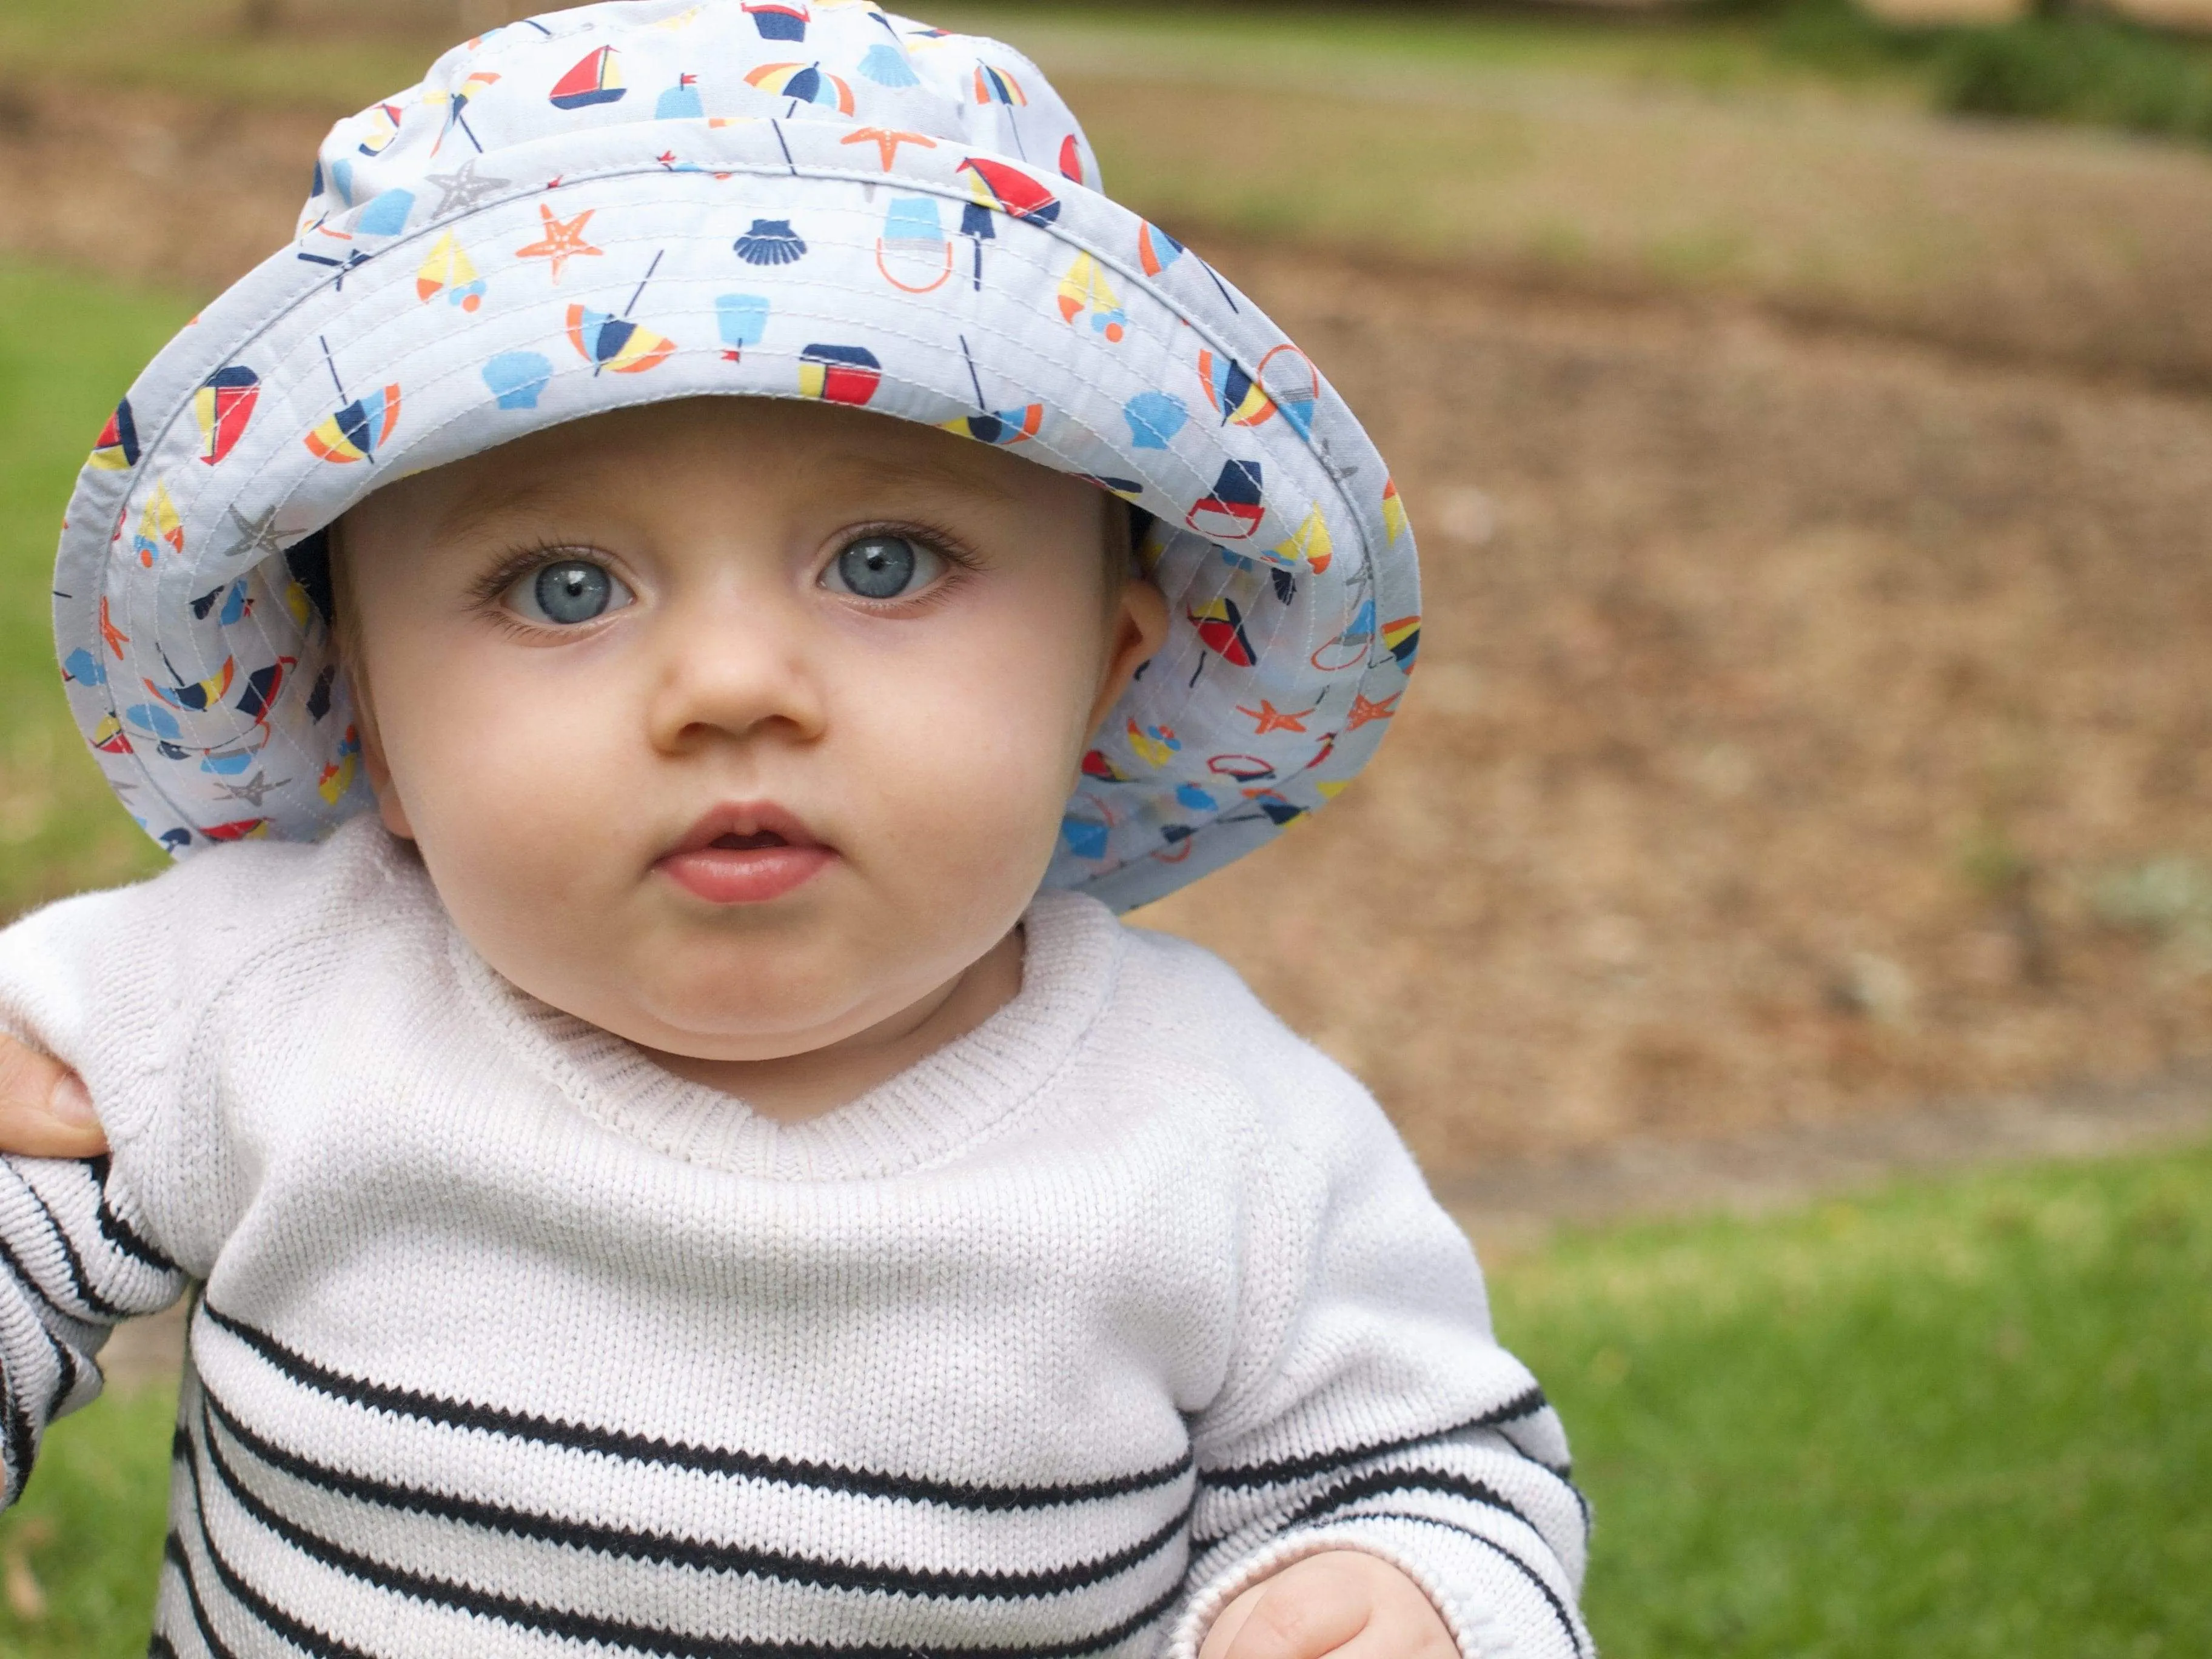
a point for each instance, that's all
(43, 1111)
(1345, 1603)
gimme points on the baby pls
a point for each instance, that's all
(664, 627)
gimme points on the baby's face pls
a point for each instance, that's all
(736, 727)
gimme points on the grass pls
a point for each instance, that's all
(1952, 1418)
(81, 1553)
(1960, 1418)
(68, 350)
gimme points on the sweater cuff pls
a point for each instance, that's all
(1496, 1604)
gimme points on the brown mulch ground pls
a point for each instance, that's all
(1789, 699)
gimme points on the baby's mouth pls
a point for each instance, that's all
(736, 843)
(745, 853)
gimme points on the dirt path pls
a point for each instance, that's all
(1812, 722)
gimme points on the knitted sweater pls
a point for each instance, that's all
(508, 1342)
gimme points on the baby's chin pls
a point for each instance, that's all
(734, 1006)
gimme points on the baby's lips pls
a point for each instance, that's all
(747, 821)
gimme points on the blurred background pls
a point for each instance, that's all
(1782, 922)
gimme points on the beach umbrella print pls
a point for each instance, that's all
(1004, 426)
(229, 604)
(116, 450)
(262, 687)
(1235, 395)
(616, 343)
(1156, 249)
(195, 696)
(914, 254)
(596, 79)
(804, 83)
(770, 243)
(1393, 510)
(995, 86)
(1233, 512)
(383, 127)
(449, 271)
(778, 22)
(743, 319)
(359, 427)
(1071, 160)
(1220, 625)
(224, 405)
(456, 110)
(1010, 191)
(994, 187)
(840, 374)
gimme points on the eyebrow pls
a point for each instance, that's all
(478, 509)
(921, 475)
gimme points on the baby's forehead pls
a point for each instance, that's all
(757, 448)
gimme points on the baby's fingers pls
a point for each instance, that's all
(45, 1111)
(1310, 1609)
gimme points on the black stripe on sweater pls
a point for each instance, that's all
(174, 1551)
(22, 1436)
(78, 1280)
(118, 1232)
(614, 1632)
(158, 1648)
(1551, 1596)
(664, 1550)
(1378, 1482)
(267, 1614)
(702, 1460)
(1290, 1469)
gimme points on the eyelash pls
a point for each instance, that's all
(492, 587)
(960, 563)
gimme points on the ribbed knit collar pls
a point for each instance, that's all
(928, 1114)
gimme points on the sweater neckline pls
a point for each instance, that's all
(924, 1116)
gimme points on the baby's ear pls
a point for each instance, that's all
(389, 807)
(1139, 630)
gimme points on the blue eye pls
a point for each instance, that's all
(568, 594)
(883, 567)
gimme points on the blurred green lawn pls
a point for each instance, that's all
(68, 350)
(1964, 1419)
(347, 55)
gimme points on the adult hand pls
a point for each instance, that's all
(45, 1111)
(1342, 1603)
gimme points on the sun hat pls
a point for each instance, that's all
(626, 203)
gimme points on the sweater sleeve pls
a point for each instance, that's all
(1368, 1406)
(103, 983)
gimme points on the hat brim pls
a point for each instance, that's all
(760, 259)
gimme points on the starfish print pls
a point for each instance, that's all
(463, 190)
(1364, 711)
(253, 789)
(261, 538)
(563, 241)
(888, 143)
(1272, 719)
(114, 637)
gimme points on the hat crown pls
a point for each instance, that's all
(635, 63)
